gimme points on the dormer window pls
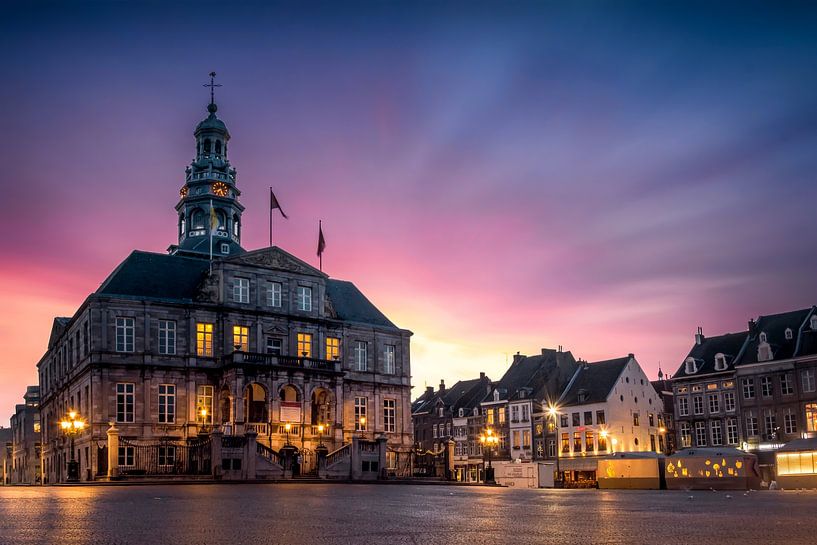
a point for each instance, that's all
(475, 412)
(522, 394)
(462, 412)
(720, 362)
(763, 337)
(691, 366)
(582, 396)
(789, 334)
(813, 323)
(496, 395)
(441, 412)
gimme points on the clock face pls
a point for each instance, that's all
(220, 189)
(183, 192)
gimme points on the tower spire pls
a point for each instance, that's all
(212, 85)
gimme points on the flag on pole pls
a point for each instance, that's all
(213, 218)
(321, 240)
(273, 203)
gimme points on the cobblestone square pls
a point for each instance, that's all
(340, 514)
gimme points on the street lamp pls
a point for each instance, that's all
(488, 440)
(321, 427)
(553, 412)
(287, 427)
(362, 422)
(71, 426)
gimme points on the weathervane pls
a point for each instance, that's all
(212, 85)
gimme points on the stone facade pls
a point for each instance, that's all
(25, 448)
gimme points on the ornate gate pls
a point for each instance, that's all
(165, 456)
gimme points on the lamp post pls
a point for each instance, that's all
(488, 440)
(71, 426)
(553, 412)
(287, 427)
(362, 426)
(321, 427)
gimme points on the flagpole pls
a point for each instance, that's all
(270, 218)
(320, 254)
(211, 235)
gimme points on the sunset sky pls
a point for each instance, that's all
(606, 178)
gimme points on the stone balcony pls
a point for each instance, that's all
(284, 362)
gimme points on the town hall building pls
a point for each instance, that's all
(212, 338)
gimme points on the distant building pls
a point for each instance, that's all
(6, 460)
(608, 406)
(666, 418)
(25, 429)
(756, 389)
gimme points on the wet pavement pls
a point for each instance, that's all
(396, 514)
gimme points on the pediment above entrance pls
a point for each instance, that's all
(276, 259)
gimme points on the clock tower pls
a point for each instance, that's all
(208, 206)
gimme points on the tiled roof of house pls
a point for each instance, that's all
(540, 377)
(730, 345)
(594, 381)
(775, 326)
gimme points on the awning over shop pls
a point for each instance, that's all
(579, 464)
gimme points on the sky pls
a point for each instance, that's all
(495, 177)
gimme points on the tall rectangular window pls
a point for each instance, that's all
(332, 348)
(241, 338)
(167, 403)
(589, 445)
(124, 334)
(700, 434)
(124, 402)
(389, 415)
(600, 419)
(167, 337)
(588, 418)
(389, 365)
(717, 433)
(751, 425)
(166, 455)
(241, 290)
(698, 404)
(274, 291)
(304, 298)
(602, 442)
(790, 421)
(577, 441)
(361, 356)
(732, 431)
(686, 435)
(748, 388)
(729, 401)
(766, 386)
(275, 346)
(565, 443)
(811, 416)
(714, 403)
(304, 345)
(636, 419)
(770, 423)
(808, 380)
(204, 404)
(526, 439)
(204, 339)
(361, 421)
(126, 456)
(786, 384)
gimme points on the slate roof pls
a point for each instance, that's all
(540, 377)
(57, 327)
(465, 394)
(730, 345)
(774, 326)
(165, 277)
(596, 380)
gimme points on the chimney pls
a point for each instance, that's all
(699, 336)
(752, 327)
(559, 349)
(429, 390)
(442, 385)
(631, 355)
(481, 375)
(517, 358)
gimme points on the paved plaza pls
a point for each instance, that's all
(336, 513)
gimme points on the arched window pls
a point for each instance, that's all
(691, 366)
(289, 393)
(207, 146)
(236, 225)
(218, 147)
(222, 220)
(182, 225)
(197, 219)
(763, 337)
(789, 334)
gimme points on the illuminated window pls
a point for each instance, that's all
(274, 291)
(577, 441)
(124, 402)
(305, 345)
(360, 413)
(389, 365)
(588, 441)
(204, 339)
(389, 415)
(796, 463)
(602, 443)
(811, 416)
(167, 337)
(636, 417)
(304, 298)
(686, 435)
(565, 443)
(167, 403)
(332, 348)
(526, 439)
(241, 290)
(204, 403)
(124, 334)
(503, 413)
(361, 356)
(241, 338)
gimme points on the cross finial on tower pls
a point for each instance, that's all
(212, 85)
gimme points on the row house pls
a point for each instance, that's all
(25, 456)
(608, 406)
(755, 390)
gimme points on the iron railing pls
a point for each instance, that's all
(164, 456)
